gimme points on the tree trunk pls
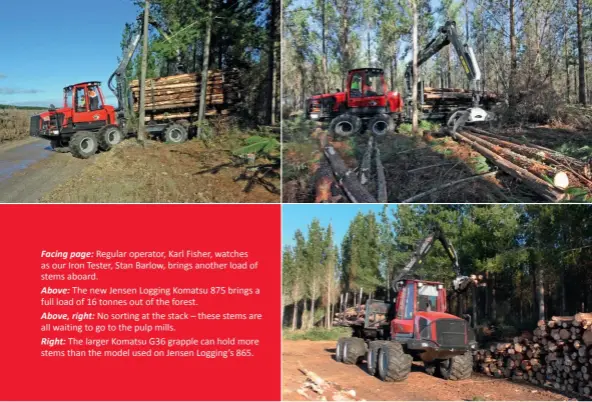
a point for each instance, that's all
(295, 316)
(581, 55)
(271, 112)
(144, 67)
(312, 305)
(513, 57)
(324, 46)
(493, 302)
(449, 83)
(204, 69)
(328, 316)
(415, 119)
(541, 297)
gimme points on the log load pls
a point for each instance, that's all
(558, 355)
(444, 101)
(179, 95)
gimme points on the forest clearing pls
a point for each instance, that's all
(318, 356)
(193, 172)
(525, 300)
(400, 95)
(438, 167)
(195, 118)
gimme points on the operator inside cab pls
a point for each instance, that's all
(427, 298)
(93, 97)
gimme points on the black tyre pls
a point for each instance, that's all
(175, 134)
(457, 368)
(372, 356)
(346, 125)
(394, 364)
(431, 368)
(58, 145)
(339, 349)
(353, 350)
(109, 136)
(382, 125)
(84, 144)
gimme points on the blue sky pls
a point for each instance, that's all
(299, 216)
(46, 46)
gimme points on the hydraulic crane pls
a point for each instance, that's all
(448, 35)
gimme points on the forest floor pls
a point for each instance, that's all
(162, 173)
(159, 173)
(414, 164)
(318, 356)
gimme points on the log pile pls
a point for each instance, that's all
(178, 96)
(357, 315)
(546, 172)
(558, 354)
(443, 101)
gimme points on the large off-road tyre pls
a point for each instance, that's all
(457, 368)
(394, 365)
(345, 125)
(109, 136)
(175, 134)
(84, 144)
(353, 350)
(432, 368)
(58, 145)
(381, 125)
(372, 356)
(339, 349)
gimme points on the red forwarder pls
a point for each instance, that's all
(366, 97)
(415, 327)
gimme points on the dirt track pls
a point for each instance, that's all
(29, 169)
(318, 357)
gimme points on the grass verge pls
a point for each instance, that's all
(317, 334)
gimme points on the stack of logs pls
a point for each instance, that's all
(178, 96)
(545, 171)
(447, 100)
(357, 315)
(558, 354)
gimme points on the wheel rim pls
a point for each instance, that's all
(338, 351)
(345, 127)
(345, 347)
(370, 360)
(87, 144)
(175, 135)
(381, 363)
(113, 137)
(379, 127)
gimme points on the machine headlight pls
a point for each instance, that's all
(419, 285)
(56, 132)
(440, 287)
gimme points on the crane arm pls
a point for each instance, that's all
(117, 81)
(448, 35)
(421, 252)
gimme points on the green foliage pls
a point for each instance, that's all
(23, 107)
(259, 145)
(405, 128)
(317, 334)
(479, 164)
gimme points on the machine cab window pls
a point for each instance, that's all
(94, 98)
(407, 302)
(80, 100)
(427, 298)
(355, 88)
(68, 97)
(373, 85)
